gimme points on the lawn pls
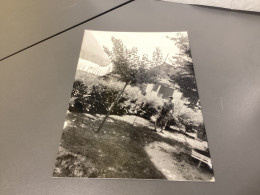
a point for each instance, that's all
(117, 151)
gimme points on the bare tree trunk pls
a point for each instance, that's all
(111, 108)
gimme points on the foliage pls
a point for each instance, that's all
(79, 89)
(78, 94)
(144, 106)
(128, 67)
(157, 58)
(99, 94)
(147, 110)
(101, 98)
(201, 132)
(185, 76)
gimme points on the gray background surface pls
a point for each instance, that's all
(35, 88)
(25, 22)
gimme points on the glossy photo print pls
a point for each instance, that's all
(134, 111)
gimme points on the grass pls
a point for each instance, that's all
(115, 152)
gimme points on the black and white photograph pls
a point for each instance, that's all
(134, 110)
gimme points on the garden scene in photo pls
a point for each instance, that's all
(135, 111)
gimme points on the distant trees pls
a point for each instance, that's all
(157, 57)
(184, 75)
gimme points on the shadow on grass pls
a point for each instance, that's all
(117, 151)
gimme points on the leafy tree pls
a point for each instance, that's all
(184, 75)
(157, 57)
(129, 68)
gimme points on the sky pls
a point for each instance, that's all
(146, 42)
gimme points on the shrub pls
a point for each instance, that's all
(78, 94)
(201, 132)
(147, 110)
(95, 95)
(101, 98)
